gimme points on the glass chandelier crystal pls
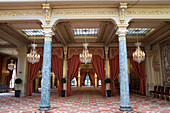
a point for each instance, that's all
(33, 56)
(138, 55)
(85, 56)
(11, 65)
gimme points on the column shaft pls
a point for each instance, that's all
(124, 81)
(46, 75)
(22, 68)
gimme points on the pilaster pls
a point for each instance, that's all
(79, 77)
(95, 79)
(65, 68)
(148, 68)
(107, 67)
(22, 68)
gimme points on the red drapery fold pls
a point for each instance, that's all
(114, 71)
(32, 72)
(91, 75)
(1, 66)
(73, 67)
(57, 68)
(98, 65)
(9, 77)
(82, 77)
(139, 69)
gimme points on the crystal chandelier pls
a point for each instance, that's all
(33, 56)
(85, 56)
(11, 65)
(138, 55)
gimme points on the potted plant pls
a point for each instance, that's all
(17, 92)
(107, 81)
(63, 80)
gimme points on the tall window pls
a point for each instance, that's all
(87, 80)
(100, 82)
(12, 81)
(74, 82)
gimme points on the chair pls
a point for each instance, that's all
(152, 92)
(161, 92)
(167, 93)
(158, 91)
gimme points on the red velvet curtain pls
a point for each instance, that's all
(57, 68)
(1, 66)
(91, 75)
(73, 67)
(139, 69)
(98, 65)
(82, 77)
(9, 77)
(114, 72)
(32, 72)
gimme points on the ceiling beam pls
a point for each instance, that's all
(103, 26)
(10, 39)
(59, 36)
(157, 35)
(111, 36)
(15, 33)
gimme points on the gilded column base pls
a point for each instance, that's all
(125, 108)
(45, 108)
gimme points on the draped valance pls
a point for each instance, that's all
(72, 51)
(114, 51)
(56, 51)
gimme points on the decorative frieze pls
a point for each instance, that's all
(143, 11)
(85, 12)
(6, 13)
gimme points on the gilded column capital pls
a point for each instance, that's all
(122, 29)
(47, 30)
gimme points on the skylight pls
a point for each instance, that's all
(138, 31)
(33, 32)
(85, 31)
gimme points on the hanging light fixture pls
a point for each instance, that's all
(33, 56)
(138, 55)
(11, 65)
(85, 56)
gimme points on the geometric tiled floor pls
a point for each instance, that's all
(82, 100)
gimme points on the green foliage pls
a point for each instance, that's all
(18, 81)
(63, 80)
(108, 80)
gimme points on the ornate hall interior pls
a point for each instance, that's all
(84, 56)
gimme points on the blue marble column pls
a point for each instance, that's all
(46, 75)
(124, 81)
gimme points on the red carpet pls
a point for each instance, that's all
(82, 100)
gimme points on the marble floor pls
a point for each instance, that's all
(82, 100)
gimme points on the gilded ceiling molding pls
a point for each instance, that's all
(48, 11)
(122, 7)
(148, 11)
(84, 12)
(25, 13)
